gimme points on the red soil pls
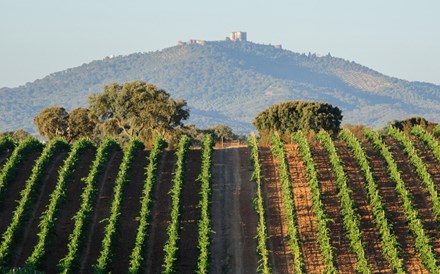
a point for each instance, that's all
(345, 258)
(395, 214)
(370, 234)
(420, 196)
(314, 262)
(281, 258)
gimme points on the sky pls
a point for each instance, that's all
(397, 38)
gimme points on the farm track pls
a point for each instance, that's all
(57, 247)
(160, 214)
(234, 221)
(345, 258)
(12, 194)
(395, 214)
(129, 218)
(29, 237)
(190, 214)
(281, 258)
(302, 195)
(420, 197)
(101, 212)
(370, 233)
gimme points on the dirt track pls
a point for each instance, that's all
(234, 220)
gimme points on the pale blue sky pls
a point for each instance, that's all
(397, 38)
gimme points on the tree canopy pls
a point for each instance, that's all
(134, 109)
(291, 116)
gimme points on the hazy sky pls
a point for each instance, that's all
(397, 38)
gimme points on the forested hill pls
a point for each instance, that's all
(229, 83)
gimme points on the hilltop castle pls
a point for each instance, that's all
(237, 36)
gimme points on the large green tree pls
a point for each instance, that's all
(57, 122)
(137, 109)
(52, 122)
(288, 117)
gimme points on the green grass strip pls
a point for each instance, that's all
(82, 217)
(173, 229)
(429, 140)
(263, 264)
(390, 246)
(8, 171)
(111, 229)
(323, 233)
(279, 152)
(414, 223)
(348, 211)
(136, 256)
(27, 196)
(420, 168)
(48, 217)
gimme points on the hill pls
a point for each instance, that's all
(229, 83)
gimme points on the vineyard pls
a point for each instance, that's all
(318, 204)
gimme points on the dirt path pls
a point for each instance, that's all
(233, 248)
(345, 258)
(395, 214)
(281, 258)
(24, 246)
(157, 235)
(129, 218)
(101, 211)
(57, 247)
(371, 236)
(302, 195)
(15, 186)
(190, 214)
(420, 196)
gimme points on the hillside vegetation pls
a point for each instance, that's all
(229, 83)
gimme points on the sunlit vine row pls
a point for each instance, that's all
(390, 245)
(323, 233)
(420, 168)
(263, 266)
(279, 151)
(27, 196)
(82, 216)
(136, 256)
(173, 229)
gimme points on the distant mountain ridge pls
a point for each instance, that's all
(229, 83)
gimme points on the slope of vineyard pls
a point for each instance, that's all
(370, 219)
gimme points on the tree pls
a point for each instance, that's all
(81, 123)
(221, 133)
(52, 122)
(407, 124)
(18, 135)
(137, 109)
(291, 116)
